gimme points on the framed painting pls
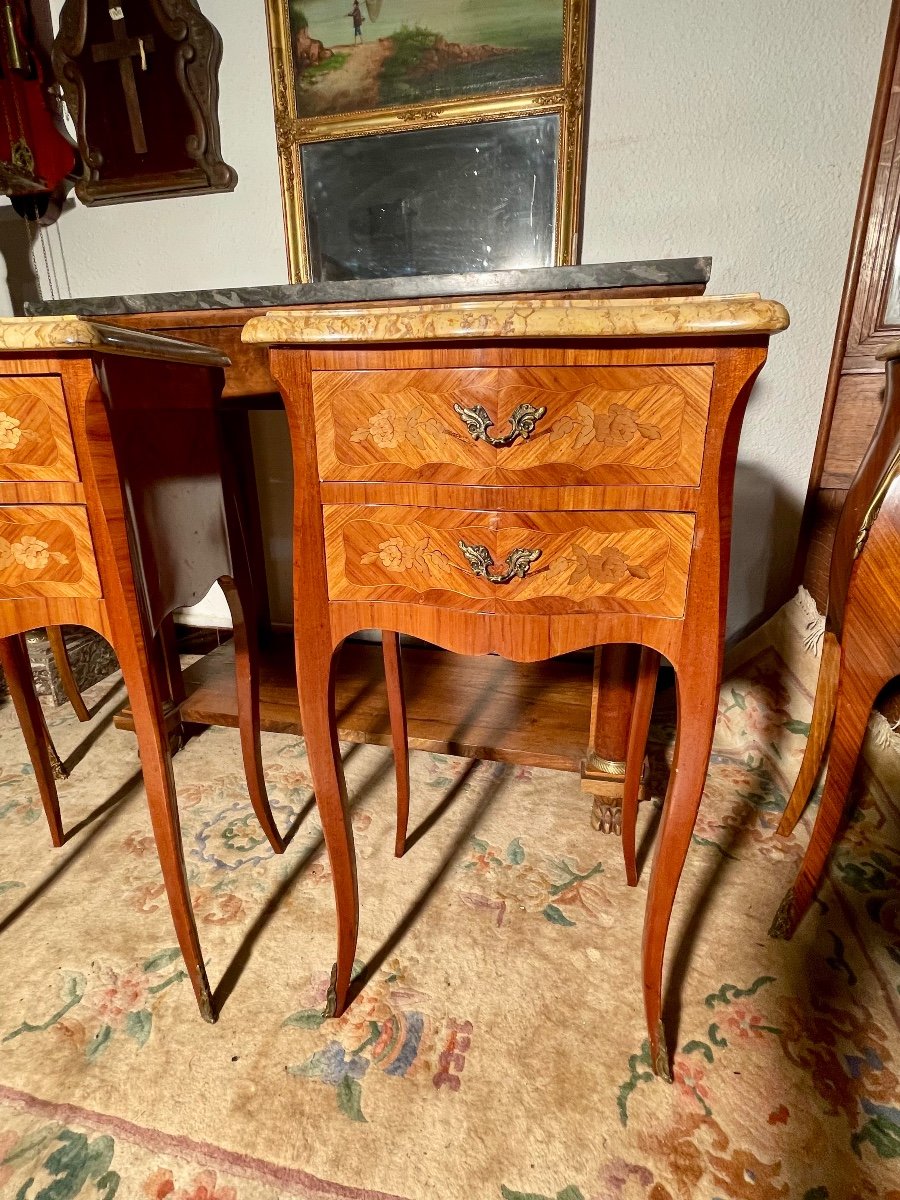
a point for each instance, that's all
(393, 116)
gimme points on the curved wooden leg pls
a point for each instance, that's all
(159, 784)
(19, 680)
(854, 704)
(648, 671)
(819, 729)
(132, 640)
(393, 670)
(246, 667)
(315, 684)
(61, 657)
(698, 696)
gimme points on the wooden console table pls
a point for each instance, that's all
(524, 478)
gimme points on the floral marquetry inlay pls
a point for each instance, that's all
(46, 550)
(10, 431)
(29, 552)
(617, 426)
(388, 429)
(609, 566)
(397, 555)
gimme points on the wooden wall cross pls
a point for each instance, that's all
(123, 49)
(140, 78)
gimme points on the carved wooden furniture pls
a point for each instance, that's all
(869, 320)
(861, 652)
(141, 82)
(87, 462)
(881, 453)
(523, 478)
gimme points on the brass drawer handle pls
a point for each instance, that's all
(518, 563)
(522, 421)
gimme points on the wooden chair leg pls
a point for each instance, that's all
(64, 668)
(648, 672)
(698, 697)
(819, 729)
(854, 704)
(246, 666)
(19, 680)
(315, 684)
(393, 670)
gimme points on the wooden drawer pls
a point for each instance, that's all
(588, 561)
(46, 550)
(601, 425)
(35, 440)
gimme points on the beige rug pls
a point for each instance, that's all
(498, 1050)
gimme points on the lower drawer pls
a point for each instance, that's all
(46, 551)
(539, 562)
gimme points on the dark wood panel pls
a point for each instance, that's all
(486, 707)
(856, 411)
(825, 508)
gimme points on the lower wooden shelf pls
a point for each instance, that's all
(486, 707)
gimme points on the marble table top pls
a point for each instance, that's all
(68, 333)
(522, 318)
(669, 272)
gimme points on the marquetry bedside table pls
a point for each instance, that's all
(527, 478)
(115, 509)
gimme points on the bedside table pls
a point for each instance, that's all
(115, 508)
(524, 478)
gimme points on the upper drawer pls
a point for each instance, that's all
(584, 425)
(46, 550)
(35, 441)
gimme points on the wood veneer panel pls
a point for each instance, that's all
(856, 412)
(35, 440)
(487, 707)
(46, 550)
(594, 425)
(588, 562)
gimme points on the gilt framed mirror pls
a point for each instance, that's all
(395, 116)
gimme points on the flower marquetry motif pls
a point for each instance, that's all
(609, 566)
(28, 552)
(10, 431)
(616, 427)
(397, 555)
(387, 430)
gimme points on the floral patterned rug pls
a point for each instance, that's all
(498, 1049)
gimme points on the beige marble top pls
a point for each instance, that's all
(543, 317)
(891, 350)
(74, 333)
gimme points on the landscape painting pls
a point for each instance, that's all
(356, 56)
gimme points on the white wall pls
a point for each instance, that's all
(723, 128)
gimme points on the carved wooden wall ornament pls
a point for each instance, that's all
(140, 78)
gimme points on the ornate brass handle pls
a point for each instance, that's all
(522, 421)
(518, 563)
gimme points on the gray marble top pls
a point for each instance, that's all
(653, 273)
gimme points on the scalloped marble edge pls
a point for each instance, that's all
(66, 333)
(539, 317)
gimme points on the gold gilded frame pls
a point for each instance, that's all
(567, 100)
